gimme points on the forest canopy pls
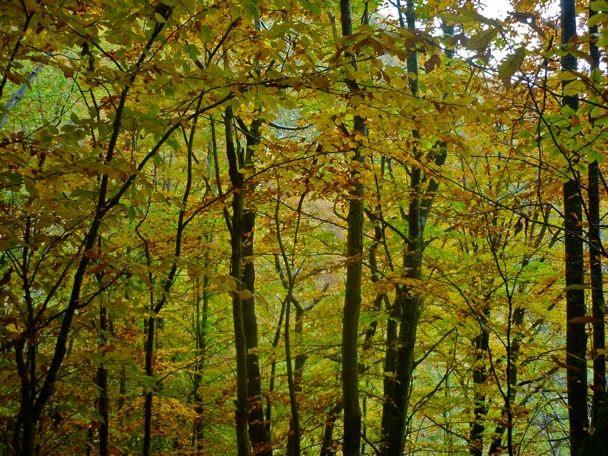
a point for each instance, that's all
(302, 227)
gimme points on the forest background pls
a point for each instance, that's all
(302, 227)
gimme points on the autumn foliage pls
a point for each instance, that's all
(301, 227)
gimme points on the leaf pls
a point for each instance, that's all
(158, 18)
(568, 75)
(467, 15)
(432, 63)
(311, 6)
(510, 65)
(597, 19)
(599, 5)
(245, 295)
(481, 40)
(252, 8)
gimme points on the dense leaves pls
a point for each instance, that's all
(270, 214)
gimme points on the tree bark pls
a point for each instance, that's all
(101, 380)
(236, 244)
(399, 363)
(480, 375)
(352, 298)
(576, 339)
(201, 305)
(328, 446)
(595, 258)
(258, 431)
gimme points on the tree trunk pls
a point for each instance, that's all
(150, 328)
(576, 339)
(101, 381)
(328, 445)
(236, 244)
(595, 262)
(201, 297)
(352, 298)
(258, 431)
(480, 375)
(506, 423)
(399, 363)
(293, 440)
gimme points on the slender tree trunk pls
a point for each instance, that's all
(293, 440)
(24, 433)
(576, 339)
(506, 424)
(201, 298)
(407, 304)
(236, 244)
(150, 328)
(300, 358)
(258, 431)
(273, 365)
(480, 375)
(595, 255)
(101, 381)
(352, 298)
(328, 445)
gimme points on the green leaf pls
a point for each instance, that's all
(312, 6)
(252, 8)
(510, 65)
(574, 87)
(568, 75)
(468, 15)
(482, 39)
(597, 19)
(599, 5)
(158, 18)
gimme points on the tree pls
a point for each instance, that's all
(354, 260)
(576, 338)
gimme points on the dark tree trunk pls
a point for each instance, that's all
(101, 380)
(480, 375)
(201, 303)
(399, 362)
(576, 339)
(150, 328)
(258, 431)
(300, 358)
(293, 440)
(352, 298)
(236, 258)
(328, 445)
(595, 262)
